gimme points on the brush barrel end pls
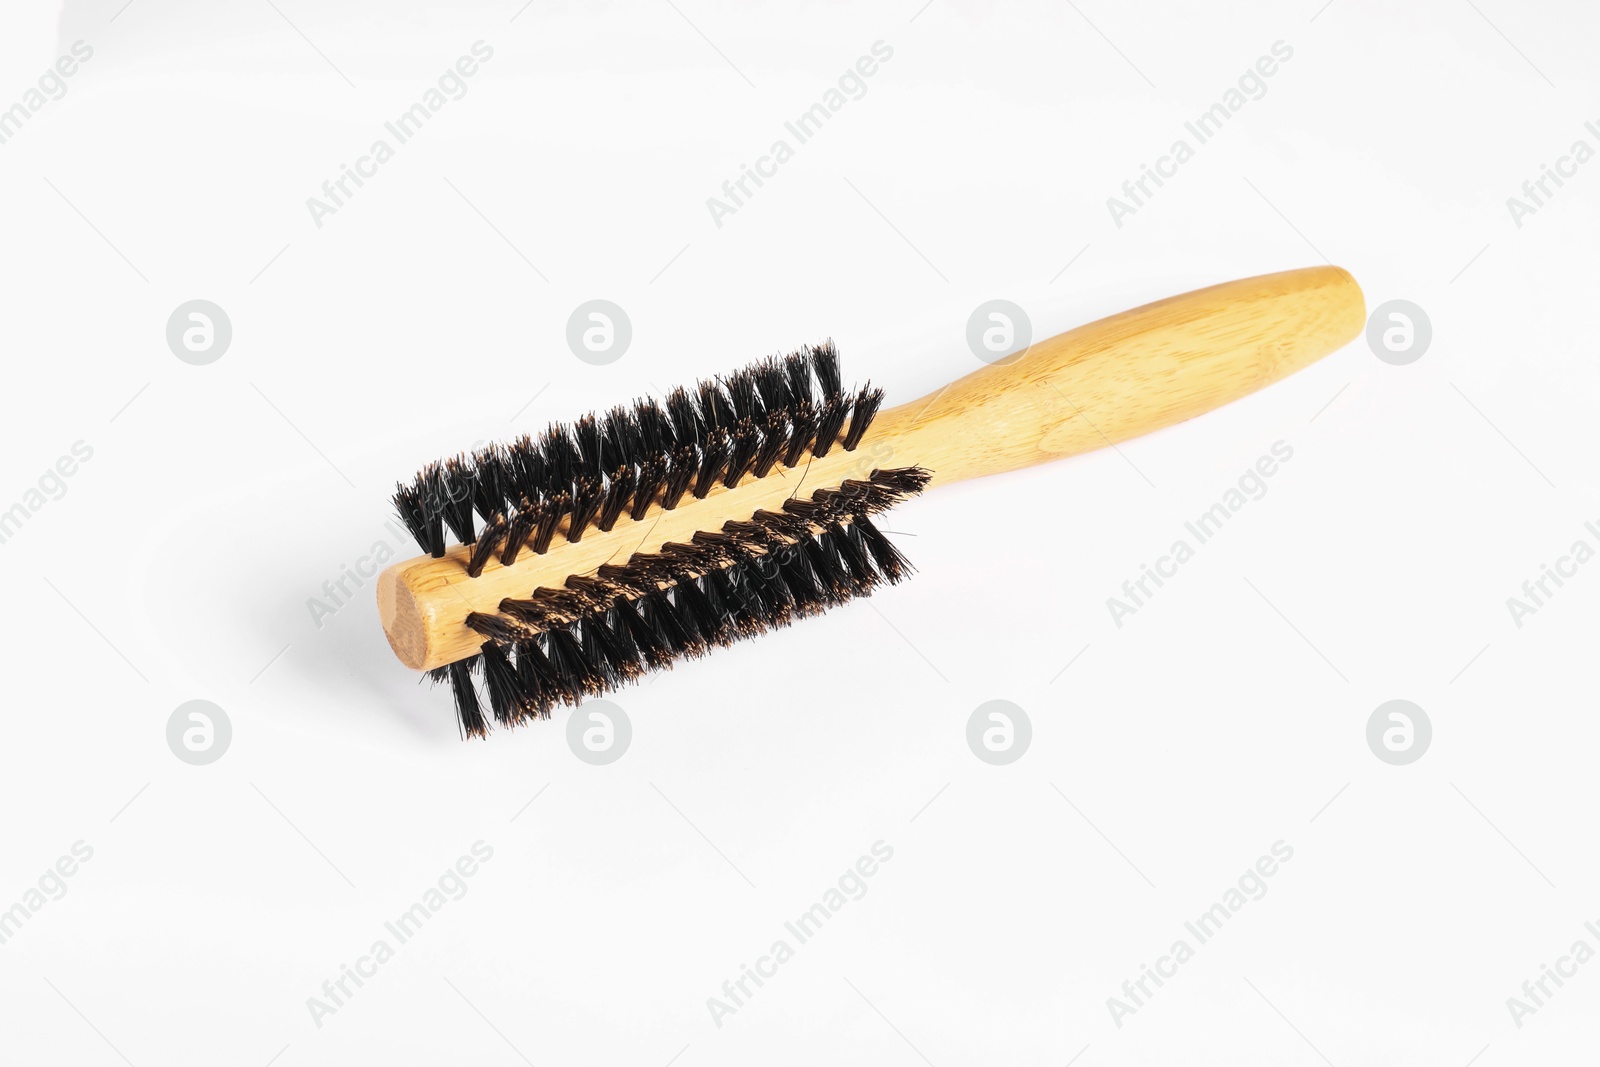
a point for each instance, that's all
(402, 617)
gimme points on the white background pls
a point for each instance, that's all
(1228, 714)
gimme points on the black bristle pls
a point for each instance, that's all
(588, 478)
(685, 455)
(762, 580)
(651, 644)
(652, 478)
(520, 528)
(523, 469)
(577, 676)
(619, 490)
(830, 420)
(795, 572)
(489, 483)
(468, 713)
(572, 673)
(713, 458)
(655, 426)
(655, 445)
(628, 578)
(560, 454)
(587, 496)
(595, 593)
(698, 612)
(620, 452)
(742, 445)
(853, 552)
(507, 698)
(660, 613)
(680, 475)
(853, 494)
(428, 488)
(772, 382)
(594, 657)
(825, 364)
(713, 405)
(538, 676)
(586, 436)
(902, 481)
(425, 526)
(771, 608)
(774, 442)
(802, 426)
(619, 440)
(527, 611)
(833, 580)
(483, 551)
(791, 525)
(630, 663)
(546, 608)
(651, 570)
(720, 548)
(802, 412)
(695, 557)
(546, 522)
(862, 411)
(810, 511)
(620, 657)
(452, 495)
(743, 394)
(797, 369)
(444, 499)
(494, 627)
(747, 534)
(890, 563)
(686, 426)
(745, 435)
(835, 405)
(741, 610)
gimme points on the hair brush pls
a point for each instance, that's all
(591, 553)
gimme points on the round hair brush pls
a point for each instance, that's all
(595, 551)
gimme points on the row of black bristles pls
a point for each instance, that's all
(596, 470)
(598, 632)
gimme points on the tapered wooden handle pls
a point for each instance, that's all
(1092, 386)
(1128, 374)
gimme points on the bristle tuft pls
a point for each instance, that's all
(468, 713)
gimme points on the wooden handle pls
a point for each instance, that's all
(1081, 390)
(1129, 374)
